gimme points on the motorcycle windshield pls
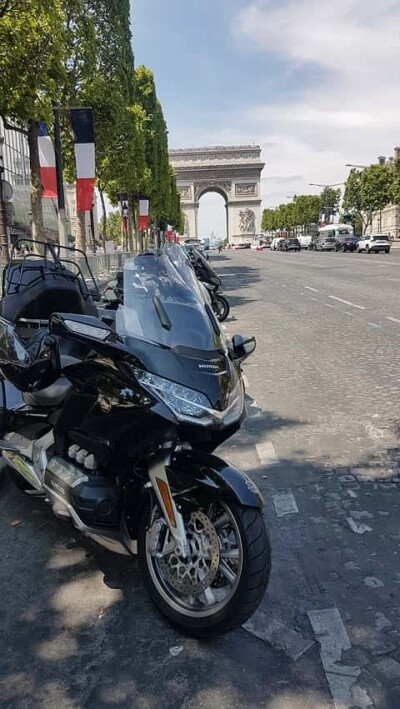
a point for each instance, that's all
(162, 307)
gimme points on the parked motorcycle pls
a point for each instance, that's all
(117, 430)
(212, 282)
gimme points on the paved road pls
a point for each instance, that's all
(321, 441)
(325, 428)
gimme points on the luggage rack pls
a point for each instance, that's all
(47, 261)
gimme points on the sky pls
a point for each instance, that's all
(314, 82)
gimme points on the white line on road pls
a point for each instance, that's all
(314, 290)
(285, 504)
(373, 324)
(393, 320)
(278, 634)
(328, 305)
(267, 453)
(332, 636)
(347, 302)
(352, 315)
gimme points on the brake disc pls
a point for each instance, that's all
(192, 575)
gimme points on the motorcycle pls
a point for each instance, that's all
(212, 282)
(117, 429)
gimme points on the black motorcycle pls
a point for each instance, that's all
(117, 426)
(212, 282)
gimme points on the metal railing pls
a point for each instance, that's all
(104, 266)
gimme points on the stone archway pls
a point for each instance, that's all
(234, 173)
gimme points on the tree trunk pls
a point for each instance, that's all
(81, 235)
(36, 185)
(104, 229)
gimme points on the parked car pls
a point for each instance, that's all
(305, 241)
(374, 243)
(275, 242)
(325, 243)
(291, 244)
(346, 242)
(313, 243)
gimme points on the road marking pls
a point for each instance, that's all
(314, 290)
(316, 299)
(347, 302)
(373, 324)
(283, 285)
(352, 315)
(278, 634)
(221, 275)
(393, 320)
(267, 453)
(285, 504)
(300, 293)
(332, 636)
(328, 305)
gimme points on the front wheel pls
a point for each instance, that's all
(219, 585)
(222, 308)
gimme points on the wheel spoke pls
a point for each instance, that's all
(221, 521)
(227, 572)
(230, 554)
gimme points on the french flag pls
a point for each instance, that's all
(143, 214)
(47, 160)
(82, 130)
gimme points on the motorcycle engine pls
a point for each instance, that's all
(93, 495)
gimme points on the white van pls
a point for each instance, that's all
(304, 240)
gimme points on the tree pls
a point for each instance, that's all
(113, 227)
(31, 70)
(369, 191)
(330, 198)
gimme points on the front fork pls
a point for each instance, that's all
(160, 484)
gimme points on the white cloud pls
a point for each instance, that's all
(351, 113)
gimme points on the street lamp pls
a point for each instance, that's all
(359, 167)
(336, 184)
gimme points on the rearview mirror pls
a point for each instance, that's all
(242, 347)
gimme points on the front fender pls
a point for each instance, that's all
(218, 478)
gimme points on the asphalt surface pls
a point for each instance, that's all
(321, 440)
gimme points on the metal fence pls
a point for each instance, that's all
(104, 266)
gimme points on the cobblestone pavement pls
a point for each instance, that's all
(321, 441)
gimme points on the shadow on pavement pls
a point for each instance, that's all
(78, 630)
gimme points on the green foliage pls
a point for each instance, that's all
(31, 57)
(303, 210)
(370, 190)
(113, 227)
(330, 198)
(79, 53)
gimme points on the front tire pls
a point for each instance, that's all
(238, 568)
(222, 308)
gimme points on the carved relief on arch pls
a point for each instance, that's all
(217, 186)
(185, 192)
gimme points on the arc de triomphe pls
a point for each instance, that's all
(234, 172)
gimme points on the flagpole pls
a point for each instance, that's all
(62, 218)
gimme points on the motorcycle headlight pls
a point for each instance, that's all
(187, 403)
(180, 399)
